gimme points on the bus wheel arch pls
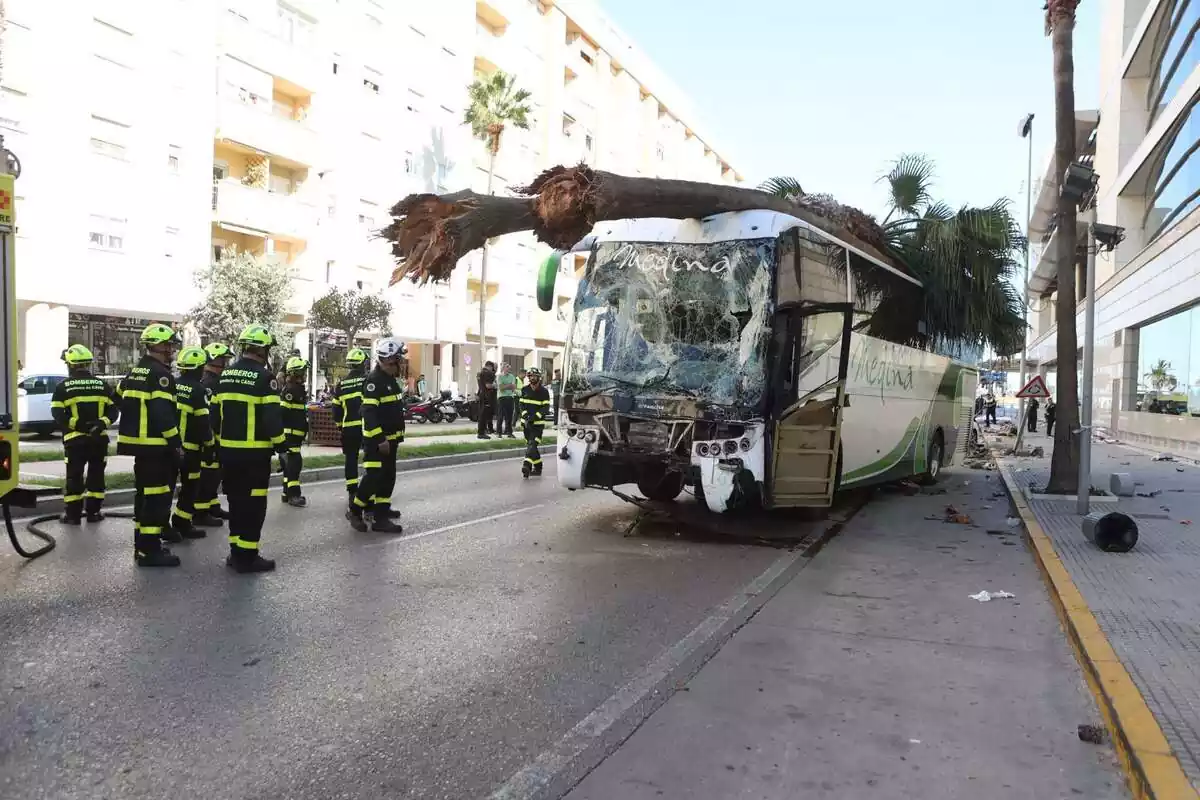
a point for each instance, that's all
(935, 458)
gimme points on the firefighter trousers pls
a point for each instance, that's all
(210, 481)
(246, 480)
(190, 474)
(351, 444)
(85, 454)
(293, 463)
(154, 482)
(533, 453)
(378, 480)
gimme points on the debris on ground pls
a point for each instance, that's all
(1012, 522)
(986, 596)
(1163, 457)
(1092, 734)
(1154, 493)
(1179, 469)
(1185, 522)
(956, 516)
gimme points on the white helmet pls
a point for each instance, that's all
(390, 348)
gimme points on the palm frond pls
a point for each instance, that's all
(782, 187)
(494, 103)
(909, 183)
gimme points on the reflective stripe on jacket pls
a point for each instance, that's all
(251, 418)
(149, 419)
(82, 399)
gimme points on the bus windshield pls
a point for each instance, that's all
(675, 319)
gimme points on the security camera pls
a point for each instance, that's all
(1108, 236)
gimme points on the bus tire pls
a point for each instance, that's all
(934, 459)
(663, 486)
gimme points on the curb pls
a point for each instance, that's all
(52, 504)
(1151, 768)
(559, 768)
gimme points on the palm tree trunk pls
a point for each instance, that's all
(483, 265)
(1064, 464)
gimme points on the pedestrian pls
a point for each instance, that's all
(535, 404)
(422, 386)
(84, 407)
(347, 415)
(556, 390)
(195, 435)
(294, 403)
(1032, 414)
(506, 398)
(486, 397)
(209, 513)
(149, 432)
(978, 405)
(383, 431)
(989, 407)
(251, 429)
(1051, 413)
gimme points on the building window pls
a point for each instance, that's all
(106, 233)
(173, 158)
(1176, 53)
(1168, 379)
(371, 85)
(1176, 180)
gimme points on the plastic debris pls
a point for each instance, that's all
(1154, 493)
(1185, 522)
(1012, 522)
(1163, 457)
(986, 596)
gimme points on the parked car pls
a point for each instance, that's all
(34, 393)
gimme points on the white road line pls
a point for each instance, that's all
(456, 526)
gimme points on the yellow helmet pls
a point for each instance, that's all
(296, 364)
(77, 355)
(157, 333)
(256, 335)
(191, 358)
(356, 356)
(216, 350)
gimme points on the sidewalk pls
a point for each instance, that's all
(1146, 602)
(874, 674)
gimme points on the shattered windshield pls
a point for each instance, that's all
(675, 319)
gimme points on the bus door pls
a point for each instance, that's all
(813, 341)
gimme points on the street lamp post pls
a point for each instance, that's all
(1026, 131)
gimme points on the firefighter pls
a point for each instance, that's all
(294, 399)
(84, 407)
(347, 415)
(195, 433)
(251, 428)
(535, 405)
(209, 513)
(383, 431)
(150, 433)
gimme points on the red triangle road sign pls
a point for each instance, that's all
(1035, 389)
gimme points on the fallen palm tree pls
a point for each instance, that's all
(430, 233)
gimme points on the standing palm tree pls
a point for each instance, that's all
(1160, 377)
(494, 104)
(1064, 463)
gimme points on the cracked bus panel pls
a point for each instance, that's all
(723, 355)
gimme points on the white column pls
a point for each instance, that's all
(46, 336)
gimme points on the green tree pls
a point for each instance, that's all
(349, 313)
(240, 289)
(1161, 377)
(494, 103)
(965, 260)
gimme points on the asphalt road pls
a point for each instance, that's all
(430, 666)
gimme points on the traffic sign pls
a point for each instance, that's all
(1035, 389)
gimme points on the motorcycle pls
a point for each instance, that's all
(447, 407)
(422, 411)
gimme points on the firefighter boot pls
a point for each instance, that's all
(246, 562)
(95, 516)
(356, 521)
(381, 522)
(296, 501)
(157, 558)
(171, 535)
(70, 519)
(206, 519)
(393, 513)
(187, 530)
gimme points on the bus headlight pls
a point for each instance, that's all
(590, 437)
(745, 444)
(731, 446)
(571, 432)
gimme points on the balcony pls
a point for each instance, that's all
(259, 212)
(257, 126)
(494, 50)
(274, 48)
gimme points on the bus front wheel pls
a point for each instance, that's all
(660, 485)
(934, 460)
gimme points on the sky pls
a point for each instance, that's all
(831, 93)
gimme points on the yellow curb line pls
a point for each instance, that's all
(1150, 766)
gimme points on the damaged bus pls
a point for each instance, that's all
(725, 355)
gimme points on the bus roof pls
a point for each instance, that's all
(727, 227)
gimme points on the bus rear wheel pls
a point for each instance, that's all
(662, 486)
(934, 460)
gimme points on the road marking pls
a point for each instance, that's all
(456, 526)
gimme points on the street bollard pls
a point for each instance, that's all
(1121, 484)
(1113, 532)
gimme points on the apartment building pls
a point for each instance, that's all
(155, 134)
(1141, 143)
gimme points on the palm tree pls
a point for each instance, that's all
(1160, 376)
(964, 259)
(494, 104)
(1064, 463)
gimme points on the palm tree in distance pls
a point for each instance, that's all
(494, 104)
(965, 260)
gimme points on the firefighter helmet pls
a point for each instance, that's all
(191, 358)
(216, 350)
(533, 373)
(257, 336)
(77, 355)
(356, 356)
(296, 364)
(158, 333)
(390, 348)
